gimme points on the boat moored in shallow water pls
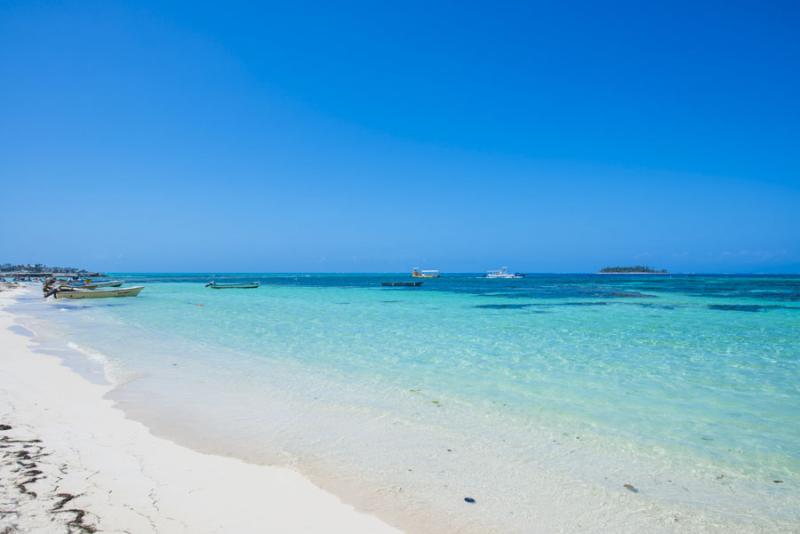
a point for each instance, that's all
(425, 273)
(215, 285)
(88, 284)
(79, 293)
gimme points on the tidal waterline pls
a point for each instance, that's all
(685, 388)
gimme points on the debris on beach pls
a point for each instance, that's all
(631, 488)
(469, 500)
(31, 489)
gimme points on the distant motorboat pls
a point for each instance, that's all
(251, 285)
(402, 284)
(425, 273)
(79, 293)
(503, 273)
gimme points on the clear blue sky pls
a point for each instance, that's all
(174, 136)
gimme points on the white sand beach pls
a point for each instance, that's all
(72, 462)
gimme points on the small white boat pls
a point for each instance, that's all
(74, 293)
(424, 273)
(503, 273)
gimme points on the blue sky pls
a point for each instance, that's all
(311, 137)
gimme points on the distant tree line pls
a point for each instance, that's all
(632, 269)
(38, 268)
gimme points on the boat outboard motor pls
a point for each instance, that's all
(52, 292)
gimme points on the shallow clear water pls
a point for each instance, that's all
(686, 386)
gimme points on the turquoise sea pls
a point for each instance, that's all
(685, 388)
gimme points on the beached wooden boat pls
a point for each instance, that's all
(73, 293)
(401, 284)
(215, 285)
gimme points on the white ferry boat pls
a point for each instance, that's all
(502, 272)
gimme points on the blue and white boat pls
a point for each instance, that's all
(502, 272)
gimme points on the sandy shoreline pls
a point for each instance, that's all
(72, 462)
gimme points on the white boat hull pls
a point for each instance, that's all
(502, 274)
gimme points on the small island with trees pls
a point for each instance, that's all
(634, 269)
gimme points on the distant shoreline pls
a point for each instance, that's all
(445, 274)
